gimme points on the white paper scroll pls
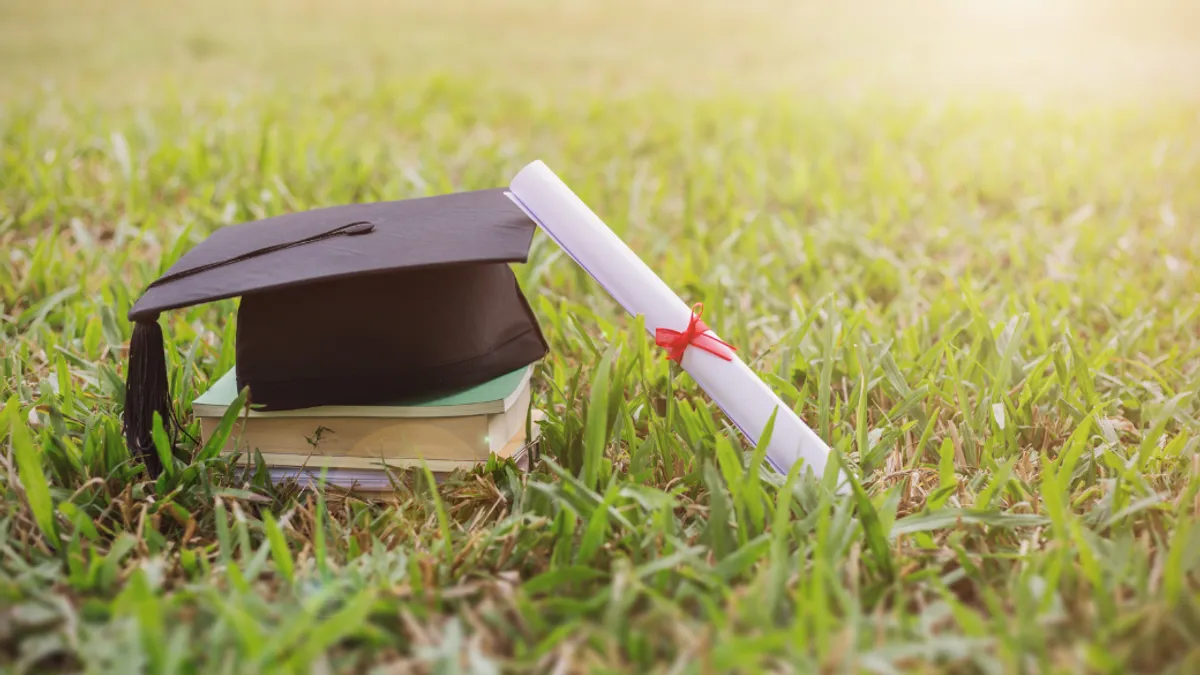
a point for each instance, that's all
(737, 390)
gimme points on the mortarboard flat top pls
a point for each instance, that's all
(350, 305)
(352, 240)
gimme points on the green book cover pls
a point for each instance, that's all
(489, 397)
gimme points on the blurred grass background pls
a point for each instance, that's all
(1061, 50)
(960, 238)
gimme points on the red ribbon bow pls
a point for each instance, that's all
(696, 334)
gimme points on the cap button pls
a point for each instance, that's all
(358, 228)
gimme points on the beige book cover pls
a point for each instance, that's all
(351, 441)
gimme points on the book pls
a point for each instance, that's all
(376, 480)
(492, 397)
(465, 427)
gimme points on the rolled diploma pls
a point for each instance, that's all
(744, 398)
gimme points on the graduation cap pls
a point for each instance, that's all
(349, 305)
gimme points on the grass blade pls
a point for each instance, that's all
(220, 436)
(596, 428)
(29, 470)
(279, 547)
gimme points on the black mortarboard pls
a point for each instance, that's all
(350, 305)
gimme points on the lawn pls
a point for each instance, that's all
(965, 247)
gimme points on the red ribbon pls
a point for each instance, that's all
(696, 334)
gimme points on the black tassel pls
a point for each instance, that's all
(146, 392)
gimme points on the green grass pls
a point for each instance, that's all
(990, 308)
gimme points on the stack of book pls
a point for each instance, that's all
(358, 445)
